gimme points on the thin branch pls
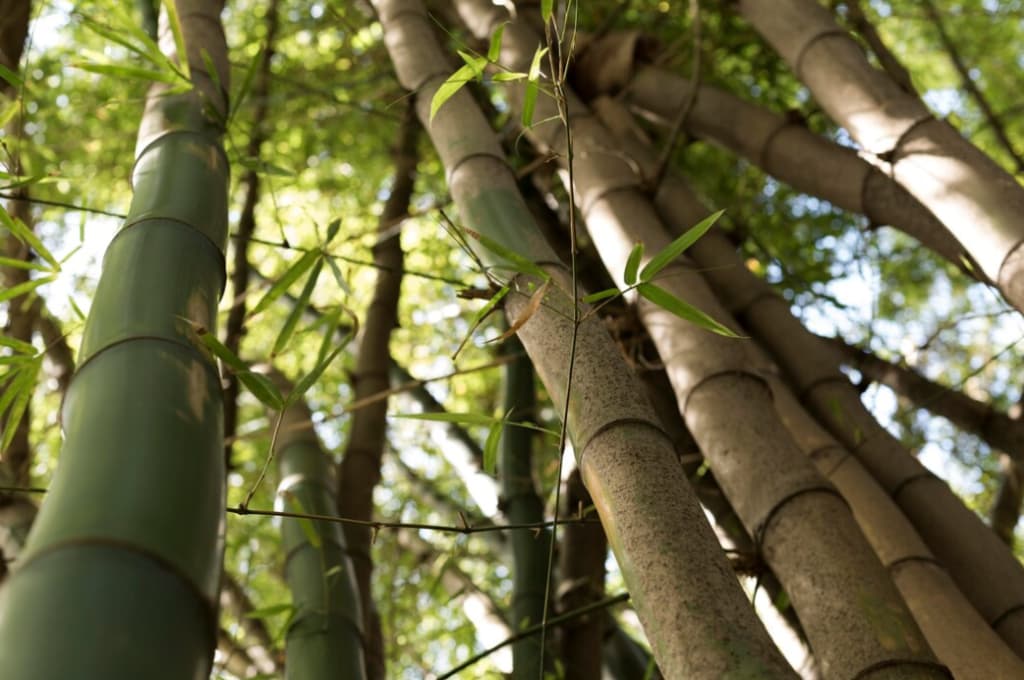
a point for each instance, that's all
(971, 86)
(538, 628)
(691, 96)
(62, 204)
(890, 64)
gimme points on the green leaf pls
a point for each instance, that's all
(19, 346)
(338, 278)
(494, 51)
(491, 447)
(677, 247)
(449, 87)
(20, 393)
(297, 309)
(633, 264)
(332, 231)
(601, 295)
(310, 378)
(666, 300)
(532, 87)
(118, 71)
(246, 86)
(30, 265)
(262, 388)
(478, 64)
(15, 81)
(517, 261)
(269, 611)
(306, 524)
(26, 235)
(27, 286)
(179, 37)
(481, 315)
(546, 9)
(507, 76)
(300, 267)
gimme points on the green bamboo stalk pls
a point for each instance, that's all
(121, 572)
(324, 639)
(695, 614)
(522, 505)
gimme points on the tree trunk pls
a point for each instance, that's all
(697, 618)
(360, 464)
(980, 204)
(121, 573)
(581, 582)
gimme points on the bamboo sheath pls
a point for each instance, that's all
(855, 619)
(692, 609)
(121, 573)
(978, 202)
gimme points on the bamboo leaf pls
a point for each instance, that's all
(518, 262)
(301, 303)
(531, 308)
(246, 86)
(494, 50)
(532, 87)
(121, 71)
(179, 37)
(678, 247)
(15, 81)
(269, 611)
(310, 378)
(507, 76)
(25, 287)
(481, 315)
(475, 419)
(30, 265)
(259, 385)
(338, 278)
(546, 8)
(332, 231)
(21, 388)
(477, 64)
(262, 388)
(307, 526)
(448, 88)
(19, 346)
(490, 462)
(633, 264)
(300, 267)
(683, 310)
(26, 235)
(601, 295)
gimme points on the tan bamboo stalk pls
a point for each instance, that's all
(581, 582)
(360, 464)
(1005, 512)
(854, 616)
(983, 568)
(781, 146)
(953, 627)
(998, 428)
(692, 609)
(950, 623)
(977, 201)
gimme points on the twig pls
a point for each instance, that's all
(691, 97)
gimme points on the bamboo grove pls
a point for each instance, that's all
(451, 338)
